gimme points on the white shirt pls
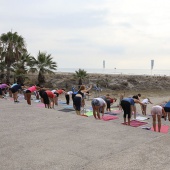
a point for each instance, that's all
(69, 92)
(53, 91)
(102, 102)
(145, 101)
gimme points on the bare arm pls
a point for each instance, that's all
(138, 101)
(150, 102)
(88, 89)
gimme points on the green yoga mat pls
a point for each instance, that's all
(114, 108)
(89, 113)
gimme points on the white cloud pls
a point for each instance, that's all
(127, 34)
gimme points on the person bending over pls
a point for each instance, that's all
(128, 105)
(98, 104)
(157, 112)
(29, 91)
(78, 100)
(145, 102)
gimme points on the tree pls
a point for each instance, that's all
(43, 64)
(80, 75)
(2, 63)
(2, 69)
(21, 67)
(13, 47)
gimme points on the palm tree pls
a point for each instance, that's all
(21, 67)
(13, 47)
(2, 63)
(81, 75)
(2, 69)
(43, 64)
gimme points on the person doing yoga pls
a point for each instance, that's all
(128, 105)
(78, 100)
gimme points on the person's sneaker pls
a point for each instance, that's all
(16, 101)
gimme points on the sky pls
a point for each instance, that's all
(126, 34)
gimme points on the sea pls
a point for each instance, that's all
(152, 72)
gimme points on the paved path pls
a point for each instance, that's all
(34, 138)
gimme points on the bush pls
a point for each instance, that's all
(115, 87)
(124, 83)
(132, 80)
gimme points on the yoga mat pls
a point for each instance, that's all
(88, 110)
(40, 105)
(21, 97)
(69, 107)
(110, 113)
(136, 123)
(65, 110)
(36, 101)
(61, 102)
(145, 127)
(84, 115)
(113, 112)
(114, 109)
(89, 113)
(164, 128)
(142, 118)
(109, 117)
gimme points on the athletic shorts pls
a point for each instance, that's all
(13, 90)
(77, 102)
(57, 94)
(95, 102)
(156, 110)
(28, 91)
(45, 98)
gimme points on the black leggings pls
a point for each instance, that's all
(77, 103)
(108, 103)
(126, 108)
(67, 96)
(45, 98)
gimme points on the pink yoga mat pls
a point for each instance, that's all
(136, 123)
(40, 105)
(164, 128)
(109, 117)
